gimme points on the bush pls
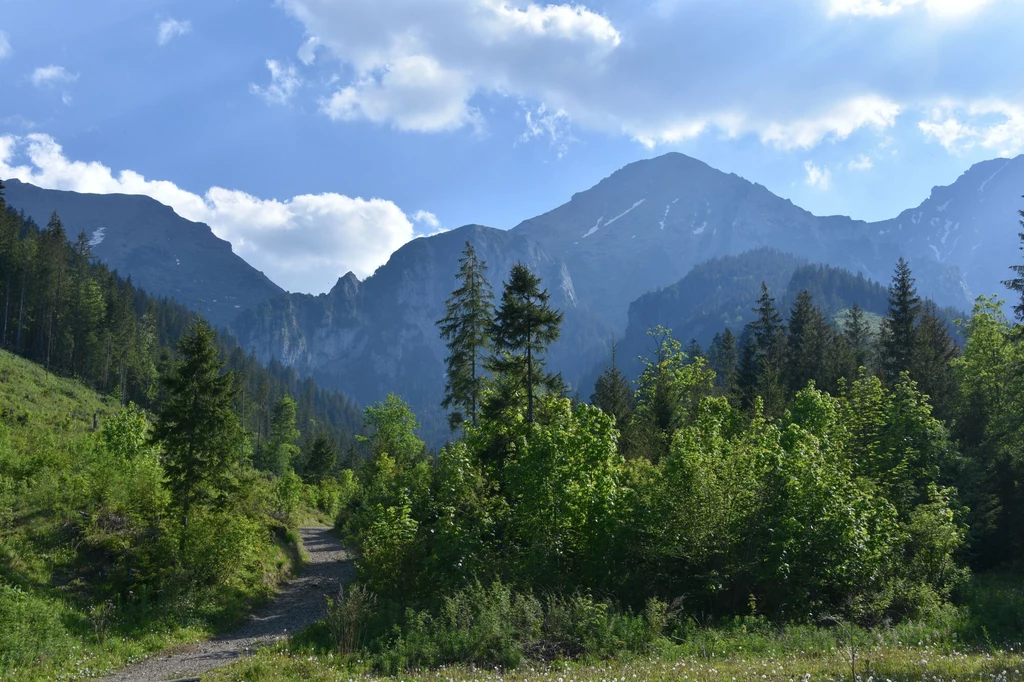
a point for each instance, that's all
(33, 629)
(348, 616)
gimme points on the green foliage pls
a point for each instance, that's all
(466, 329)
(281, 449)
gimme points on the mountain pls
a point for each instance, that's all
(650, 223)
(380, 335)
(970, 224)
(162, 252)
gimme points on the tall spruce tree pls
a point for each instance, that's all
(613, 395)
(281, 449)
(931, 364)
(900, 324)
(196, 424)
(524, 326)
(466, 330)
(760, 372)
(1016, 283)
(724, 360)
(806, 345)
(859, 337)
(323, 457)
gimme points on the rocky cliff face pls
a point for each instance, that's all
(162, 252)
(643, 228)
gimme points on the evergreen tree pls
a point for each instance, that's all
(196, 425)
(694, 351)
(760, 372)
(524, 326)
(899, 326)
(725, 360)
(466, 329)
(1016, 283)
(613, 395)
(858, 336)
(931, 364)
(281, 448)
(323, 457)
(806, 345)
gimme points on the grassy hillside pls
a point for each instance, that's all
(88, 576)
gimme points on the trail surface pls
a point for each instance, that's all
(299, 604)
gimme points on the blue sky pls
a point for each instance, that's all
(320, 135)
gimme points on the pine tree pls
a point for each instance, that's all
(859, 337)
(724, 360)
(524, 326)
(323, 457)
(1016, 284)
(760, 372)
(281, 448)
(613, 395)
(466, 329)
(805, 345)
(898, 328)
(196, 425)
(931, 363)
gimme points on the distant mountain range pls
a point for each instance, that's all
(162, 252)
(641, 230)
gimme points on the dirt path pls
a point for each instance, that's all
(299, 604)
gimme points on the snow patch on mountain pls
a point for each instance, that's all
(992, 177)
(942, 208)
(567, 286)
(595, 228)
(700, 229)
(661, 225)
(624, 212)
(97, 236)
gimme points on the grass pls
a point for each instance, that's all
(59, 617)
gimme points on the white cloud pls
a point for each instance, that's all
(819, 178)
(172, 28)
(51, 75)
(888, 8)
(5, 45)
(427, 218)
(304, 243)
(861, 163)
(554, 125)
(284, 83)
(994, 125)
(307, 52)
(413, 93)
(860, 112)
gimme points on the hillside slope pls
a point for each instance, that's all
(161, 251)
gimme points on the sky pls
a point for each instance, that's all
(318, 136)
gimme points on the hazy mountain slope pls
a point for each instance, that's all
(650, 223)
(379, 335)
(970, 224)
(147, 241)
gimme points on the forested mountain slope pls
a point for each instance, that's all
(165, 254)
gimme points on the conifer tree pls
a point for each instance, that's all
(724, 360)
(613, 395)
(281, 448)
(323, 457)
(760, 372)
(524, 326)
(899, 326)
(858, 336)
(466, 330)
(1016, 283)
(196, 424)
(805, 345)
(931, 363)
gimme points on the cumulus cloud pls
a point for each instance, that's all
(861, 163)
(427, 218)
(303, 243)
(5, 45)
(52, 75)
(993, 125)
(819, 178)
(172, 28)
(284, 83)
(788, 72)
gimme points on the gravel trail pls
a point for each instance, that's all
(299, 604)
